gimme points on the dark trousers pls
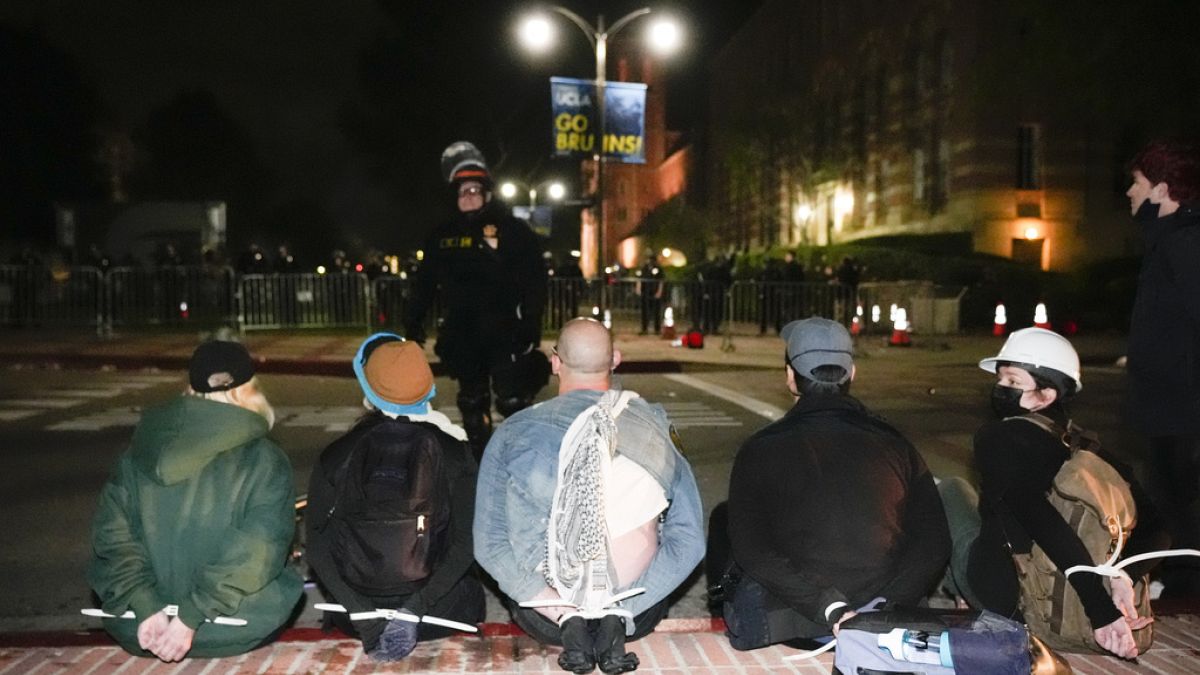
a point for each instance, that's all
(651, 313)
(1175, 463)
(547, 632)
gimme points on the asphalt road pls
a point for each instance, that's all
(61, 431)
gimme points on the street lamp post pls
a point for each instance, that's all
(554, 190)
(538, 35)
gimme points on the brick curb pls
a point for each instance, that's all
(97, 637)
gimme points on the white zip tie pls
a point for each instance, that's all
(169, 610)
(390, 614)
(813, 653)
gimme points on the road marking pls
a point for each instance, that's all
(113, 417)
(687, 414)
(14, 415)
(89, 393)
(737, 398)
(334, 419)
(56, 403)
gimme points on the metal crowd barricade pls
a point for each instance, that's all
(169, 296)
(764, 307)
(303, 301)
(931, 309)
(636, 305)
(51, 296)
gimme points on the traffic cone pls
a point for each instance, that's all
(855, 326)
(668, 325)
(1040, 318)
(1000, 323)
(900, 336)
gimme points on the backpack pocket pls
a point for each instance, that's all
(377, 556)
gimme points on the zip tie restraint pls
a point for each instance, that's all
(390, 614)
(169, 610)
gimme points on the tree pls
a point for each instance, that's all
(195, 152)
(48, 117)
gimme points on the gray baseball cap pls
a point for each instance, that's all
(816, 342)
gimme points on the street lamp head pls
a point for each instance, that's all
(536, 33)
(508, 190)
(664, 35)
(556, 191)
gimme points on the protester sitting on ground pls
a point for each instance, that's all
(1018, 457)
(390, 508)
(614, 506)
(197, 520)
(829, 507)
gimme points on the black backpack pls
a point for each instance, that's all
(391, 512)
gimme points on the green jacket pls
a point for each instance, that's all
(199, 513)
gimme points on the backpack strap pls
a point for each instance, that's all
(622, 402)
(1073, 436)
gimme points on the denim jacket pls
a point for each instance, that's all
(516, 485)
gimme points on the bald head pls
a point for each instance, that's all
(585, 355)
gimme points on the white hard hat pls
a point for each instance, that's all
(1039, 348)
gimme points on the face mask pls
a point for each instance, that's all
(1006, 401)
(1147, 212)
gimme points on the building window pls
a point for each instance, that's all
(918, 175)
(1029, 157)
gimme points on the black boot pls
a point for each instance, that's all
(577, 655)
(610, 646)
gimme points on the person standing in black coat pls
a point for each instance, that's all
(488, 268)
(1164, 341)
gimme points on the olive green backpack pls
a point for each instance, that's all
(1097, 503)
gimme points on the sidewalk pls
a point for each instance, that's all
(679, 647)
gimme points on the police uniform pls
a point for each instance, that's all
(488, 267)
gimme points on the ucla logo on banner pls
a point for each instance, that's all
(575, 132)
(572, 98)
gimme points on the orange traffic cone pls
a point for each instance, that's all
(855, 326)
(1040, 318)
(900, 336)
(668, 325)
(1000, 323)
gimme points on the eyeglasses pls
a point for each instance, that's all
(554, 351)
(470, 191)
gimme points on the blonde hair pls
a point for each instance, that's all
(249, 396)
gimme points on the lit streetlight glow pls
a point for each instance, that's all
(844, 202)
(508, 190)
(536, 33)
(664, 36)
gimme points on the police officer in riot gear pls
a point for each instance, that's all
(488, 267)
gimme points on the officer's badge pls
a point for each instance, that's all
(489, 230)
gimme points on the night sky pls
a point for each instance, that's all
(325, 120)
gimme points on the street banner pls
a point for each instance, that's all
(540, 218)
(575, 128)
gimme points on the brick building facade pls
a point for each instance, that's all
(837, 120)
